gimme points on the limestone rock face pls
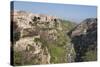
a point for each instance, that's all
(29, 24)
(27, 28)
(39, 39)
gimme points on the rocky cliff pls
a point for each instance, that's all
(39, 39)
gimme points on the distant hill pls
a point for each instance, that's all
(84, 38)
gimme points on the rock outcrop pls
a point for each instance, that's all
(37, 39)
(27, 33)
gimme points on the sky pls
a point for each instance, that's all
(75, 13)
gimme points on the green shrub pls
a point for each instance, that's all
(57, 53)
(90, 56)
(18, 58)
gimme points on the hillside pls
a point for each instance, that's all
(84, 38)
(44, 39)
(40, 39)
